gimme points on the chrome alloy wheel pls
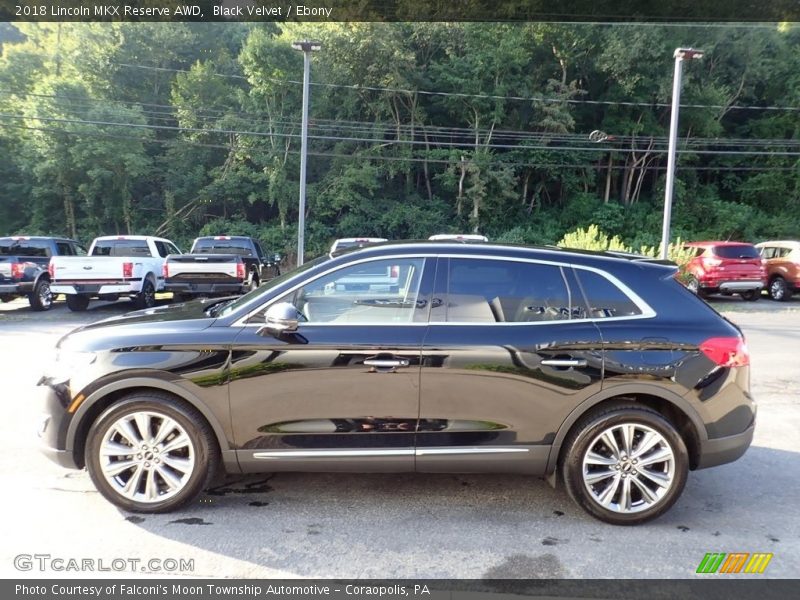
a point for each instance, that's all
(146, 457)
(628, 468)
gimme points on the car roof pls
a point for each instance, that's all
(223, 237)
(779, 242)
(37, 238)
(137, 238)
(718, 243)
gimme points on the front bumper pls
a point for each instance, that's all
(726, 449)
(54, 400)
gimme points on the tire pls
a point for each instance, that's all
(146, 481)
(253, 283)
(41, 298)
(146, 298)
(77, 302)
(751, 295)
(589, 482)
(693, 285)
(176, 297)
(779, 290)
(6, 298)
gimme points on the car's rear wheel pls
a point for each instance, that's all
(751, 295)
(146, 298)
(151, 453)
(779, 290)
(77, 302)
(41, 298)
(625, 464)
(693, 285)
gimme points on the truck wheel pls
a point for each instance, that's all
(6, 297)
(41, 298)
(147, 297)
(751, 295)
(77, 302)
(253, 283)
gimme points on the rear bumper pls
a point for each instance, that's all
(10, 288)
(96, 288)
(725, 450)
(204, 288)
(731, 285)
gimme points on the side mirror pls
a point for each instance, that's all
(280, 318)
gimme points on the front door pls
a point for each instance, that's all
(342, 393)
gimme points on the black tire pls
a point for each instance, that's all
(750, 295)
(6, 298)
(41, 298)
(693, 285)
(77, 302)
(586, 436)
(202, 453)
(253, 283)
(779, 290)
(176, 297)
(146, 298)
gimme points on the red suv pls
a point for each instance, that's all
(726, 268)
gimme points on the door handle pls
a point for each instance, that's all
(386, 363)
(564, 362)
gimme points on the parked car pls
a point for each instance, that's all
(348, 243)
(783, 268)
(124, 265)
(726, 268)
(23, 267)
(601, 372)
(221, 264)
(459, 237)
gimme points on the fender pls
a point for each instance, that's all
(621, 390)
(150, 382)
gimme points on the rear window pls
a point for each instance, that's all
(737, 251)
(210, 246)
(121, 248)
(10, 247)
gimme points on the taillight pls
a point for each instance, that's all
(394, 271)
(127, 269)
(51, 269)
(726, 351)
(710, 262)
(165, 270)
(17, 270)
(240, 271)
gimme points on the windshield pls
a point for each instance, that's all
(241, 301)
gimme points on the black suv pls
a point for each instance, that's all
(599, 371)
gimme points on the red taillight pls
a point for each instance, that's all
(17, 270)
(51, 269)
(710, 262)
(165, 270)
(726, 351)
(240, 271)
(127, 269)
(395, 271)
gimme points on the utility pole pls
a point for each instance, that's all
(307, 48)
(680, 55)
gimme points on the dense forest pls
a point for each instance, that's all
(416, 128)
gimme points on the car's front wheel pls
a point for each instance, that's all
(625, 464)
(151, 453)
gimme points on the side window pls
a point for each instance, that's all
(64, 249)
(173, 249)
(784, 252)
(376, 292)
(161, 247)
(488, 291)
(768, 252)
(259, 251)
(79, 250)
(603, 298)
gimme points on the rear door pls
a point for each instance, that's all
(510, 352)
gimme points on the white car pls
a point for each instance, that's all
(118, 265)
(344, 243)
(459, 237)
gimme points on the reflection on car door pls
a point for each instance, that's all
(342, 393)
(508, 355)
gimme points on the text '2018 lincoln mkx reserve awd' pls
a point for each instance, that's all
(597, 370)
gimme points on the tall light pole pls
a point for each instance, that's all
(307, 47)
(680, 55)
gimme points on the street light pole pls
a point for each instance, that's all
(680, 55)
(307, 48)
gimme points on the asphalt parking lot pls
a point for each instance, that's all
(405, 526)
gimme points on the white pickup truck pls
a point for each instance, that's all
(120, 265)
